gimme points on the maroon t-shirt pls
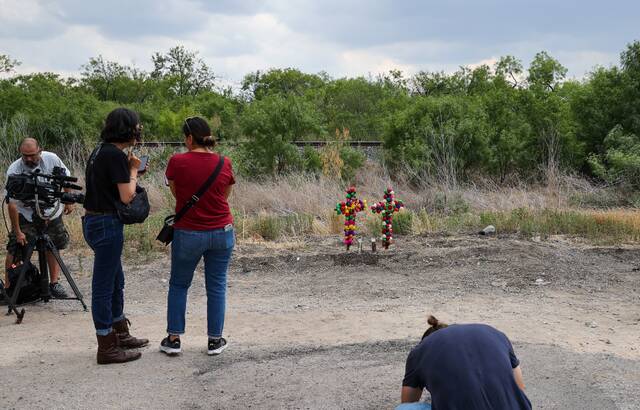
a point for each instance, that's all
(189, 171)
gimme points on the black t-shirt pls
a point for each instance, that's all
(110, 168)
(466, 367)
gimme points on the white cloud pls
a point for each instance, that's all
(343, 38)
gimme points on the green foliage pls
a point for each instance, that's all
(361, 106)
(183, 72)
(312, 160)
(438, 136)
(272, 227)
(281, 82)
(53, 109)
(269, 227)
(352, 161)
(403, 223)
(621, 160)
(7, 64)
(496, 121)
(271, 124)
(546, 72)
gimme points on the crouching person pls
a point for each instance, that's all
(471, 367)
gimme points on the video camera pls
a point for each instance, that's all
(44, 191)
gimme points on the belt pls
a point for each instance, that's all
(88, 212)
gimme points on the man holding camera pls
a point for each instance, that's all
(23, 229)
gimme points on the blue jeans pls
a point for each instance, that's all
(187, 248)
(414, 406)
(105, 236)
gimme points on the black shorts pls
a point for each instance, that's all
(56, 230)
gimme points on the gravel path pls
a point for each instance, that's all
(312, 327)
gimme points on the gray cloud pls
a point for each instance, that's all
(362, 23)
(130, 19)
(345, 37)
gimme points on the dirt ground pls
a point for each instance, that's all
(310, 327)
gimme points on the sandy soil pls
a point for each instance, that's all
(313, 327)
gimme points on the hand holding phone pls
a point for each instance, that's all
(144, 161)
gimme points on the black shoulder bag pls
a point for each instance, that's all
(166, 234)
(134, 212)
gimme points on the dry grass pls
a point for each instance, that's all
(286, 209)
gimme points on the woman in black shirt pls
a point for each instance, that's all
(111, 176)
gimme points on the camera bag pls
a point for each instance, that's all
(166, 233)
(137, 210)
(30, 288)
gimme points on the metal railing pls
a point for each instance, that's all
(297, 143)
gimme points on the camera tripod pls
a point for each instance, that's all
(41, 245)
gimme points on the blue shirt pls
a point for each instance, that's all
(466, 367)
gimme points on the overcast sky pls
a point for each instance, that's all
(341, 37)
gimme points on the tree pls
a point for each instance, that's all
(356, 104)
(597, 105)
(111, 81)
(621, 161)
(508, 129)
(630, 61)
(439, 137)
(546, 72)
(427, 83)
(270, 125)
(509, 69)
(394, 80)
(54, 109)
(630, 58)
(7, 64)
(184, 72)
(283, 82)
(101, 77)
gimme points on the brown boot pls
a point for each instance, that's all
(125, 340)
(109, 352)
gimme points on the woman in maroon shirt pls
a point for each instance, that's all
(206, 231)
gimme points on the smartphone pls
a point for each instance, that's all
(143, 163)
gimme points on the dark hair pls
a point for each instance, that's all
(121, 125)
(435, 325)
(200, 131)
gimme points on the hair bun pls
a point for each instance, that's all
(208, 141)
(432, 321)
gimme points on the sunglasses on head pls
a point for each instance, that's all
(186, 122)
(137, 132)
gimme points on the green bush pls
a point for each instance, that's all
(352, 161)
(311, 160)
(268, 227)
(271, 124)
(450, 203)
(272, 227)
(403, 223)
(621, 160)
(441, 137)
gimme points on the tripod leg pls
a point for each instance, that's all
(51, 247)
(5, 296)
(41, 246)
(16, 290)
